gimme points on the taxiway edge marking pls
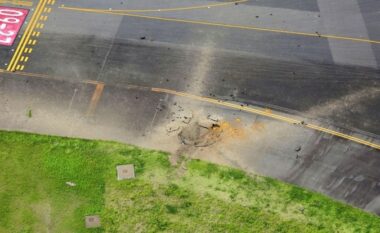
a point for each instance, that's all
(236, 26)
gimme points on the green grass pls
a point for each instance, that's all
(203, 198)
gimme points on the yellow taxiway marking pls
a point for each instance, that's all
(19, 3)
(15, 59)
(47, 10)
(270, 115)
(266, 112)
(25, 37)
(29, 37)
(171, 9)
(216, 24)
(28, 50)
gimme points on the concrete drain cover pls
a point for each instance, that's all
(92, 221)
(125, 172)
(200, 136)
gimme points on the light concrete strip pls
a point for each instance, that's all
(343, 17)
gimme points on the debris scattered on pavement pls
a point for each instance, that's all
(214, 118)
(172, 128)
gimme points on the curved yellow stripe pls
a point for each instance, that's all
(336, 37)
(268, 114)
(229, 105)
(164, 9)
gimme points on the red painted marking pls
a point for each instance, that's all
(11, 21)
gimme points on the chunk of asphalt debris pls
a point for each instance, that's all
(142, 37)
(298, 149)
(187, 117)
(172, 128)
(206, 123)
(214, 118)
(319, 35)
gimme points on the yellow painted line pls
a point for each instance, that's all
(230, 105)
(266, 112)
(345, 136)
(26, 59)
(22, 58)
(95, 98)
(38, 12)
(27, 30)
(43, 17)
(170, 9)
(20, 3)
(40, 26)
(38, 34)
(226, 25)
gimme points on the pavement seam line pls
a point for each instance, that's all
(221, 103)
(28, 28)
(38, 14)
(216, 24)
(169, 9)
(270, 115)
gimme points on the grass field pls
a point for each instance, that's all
(202, 197)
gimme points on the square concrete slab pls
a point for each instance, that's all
(125, 172)
(92, 221)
